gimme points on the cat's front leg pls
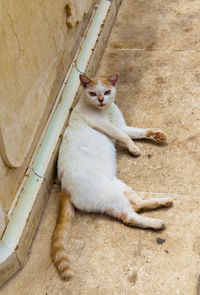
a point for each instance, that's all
(153, 134)
(114, 132)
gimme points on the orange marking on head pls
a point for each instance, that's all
(95, 81)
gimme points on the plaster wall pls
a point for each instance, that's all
(38, 40)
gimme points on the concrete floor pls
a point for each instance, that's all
(154, 45)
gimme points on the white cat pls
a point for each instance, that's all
(87, 166)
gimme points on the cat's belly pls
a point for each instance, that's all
(86, 167)
(87, 150)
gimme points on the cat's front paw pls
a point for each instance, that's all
(156, 135)
(134, 150)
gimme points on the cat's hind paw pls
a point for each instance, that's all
(156, 135)
(166, 202)
(157, 224)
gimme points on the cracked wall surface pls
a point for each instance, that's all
(37, 47)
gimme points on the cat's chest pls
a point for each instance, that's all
(96, 116)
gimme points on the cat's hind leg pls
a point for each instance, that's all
(122, 209)
(139, 204)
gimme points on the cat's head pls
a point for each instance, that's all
(99, 92)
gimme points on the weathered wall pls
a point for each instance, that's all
(38, 40)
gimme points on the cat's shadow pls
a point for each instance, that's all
(121, 149)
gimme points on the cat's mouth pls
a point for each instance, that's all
(101, 105)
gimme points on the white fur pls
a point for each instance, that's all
(87, 158)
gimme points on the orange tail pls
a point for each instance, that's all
(61, 236)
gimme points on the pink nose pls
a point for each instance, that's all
(100, 99)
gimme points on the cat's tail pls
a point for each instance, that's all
(61, 236)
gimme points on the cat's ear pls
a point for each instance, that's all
(113, 79)
(84, 80)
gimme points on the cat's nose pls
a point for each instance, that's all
(100, 99)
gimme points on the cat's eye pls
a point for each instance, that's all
(107, 92)
(92, 93)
